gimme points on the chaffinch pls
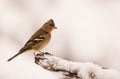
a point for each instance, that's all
(39, 39)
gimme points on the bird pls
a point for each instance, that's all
(38, 40)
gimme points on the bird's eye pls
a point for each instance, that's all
(52, 25)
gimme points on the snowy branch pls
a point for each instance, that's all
(74, 70)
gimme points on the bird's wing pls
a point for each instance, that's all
(36, 40)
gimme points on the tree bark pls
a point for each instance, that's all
(74, 70)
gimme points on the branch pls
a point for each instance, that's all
(75, 70)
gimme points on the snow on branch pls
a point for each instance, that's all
(74, 70)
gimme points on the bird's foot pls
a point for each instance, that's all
(38, 52)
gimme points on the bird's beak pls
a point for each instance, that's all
(55, 27)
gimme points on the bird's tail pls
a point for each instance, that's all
(20, 52)
(14, 56)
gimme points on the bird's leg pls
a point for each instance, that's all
(38, 52)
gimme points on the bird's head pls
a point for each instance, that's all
(49, 26)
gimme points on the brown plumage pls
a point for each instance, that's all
(39, 39)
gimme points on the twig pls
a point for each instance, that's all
(74, 70)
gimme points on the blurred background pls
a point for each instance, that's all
(88, 31)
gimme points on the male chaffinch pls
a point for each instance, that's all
(39, 39)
